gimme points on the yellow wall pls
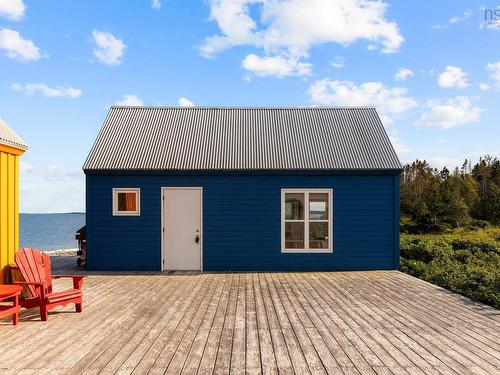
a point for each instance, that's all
(9, 207)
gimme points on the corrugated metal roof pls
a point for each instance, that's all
(10, 138)
(241, 139)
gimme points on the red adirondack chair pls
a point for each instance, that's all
(34, 266)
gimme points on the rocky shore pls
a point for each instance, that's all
(61, 252)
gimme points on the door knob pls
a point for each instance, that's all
(197, 238)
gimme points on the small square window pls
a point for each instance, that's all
(126, 202)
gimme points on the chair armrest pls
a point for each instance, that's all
(29, 283)
(39, 287)
(77, 279)
(70, 276)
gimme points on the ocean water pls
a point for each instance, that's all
(49, 231)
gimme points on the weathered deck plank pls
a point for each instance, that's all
(211, 349)
(430, 324)
(381, 322)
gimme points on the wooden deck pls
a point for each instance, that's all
(382, 322)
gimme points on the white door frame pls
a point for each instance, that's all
(162, 228)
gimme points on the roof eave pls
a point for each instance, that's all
(12, 148)
(242, 171)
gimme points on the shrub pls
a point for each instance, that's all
(470, 267)
(477, 224)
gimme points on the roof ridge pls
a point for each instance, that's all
(239, 107)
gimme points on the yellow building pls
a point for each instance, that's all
(11, 147)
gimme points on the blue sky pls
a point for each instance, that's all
(431, 68)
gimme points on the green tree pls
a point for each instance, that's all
(433, 201)
(487, 174)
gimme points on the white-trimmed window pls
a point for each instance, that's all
(306, 220)
(126, 202)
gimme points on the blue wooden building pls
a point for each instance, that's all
(242, 189)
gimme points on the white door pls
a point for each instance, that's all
(182, 210)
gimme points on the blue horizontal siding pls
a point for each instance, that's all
(241, 216)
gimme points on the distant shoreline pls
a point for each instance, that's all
(59, 252)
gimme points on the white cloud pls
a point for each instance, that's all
(494, 68)
(399, 146)
(47, 91)
(439, 162)
(481, 152)
(290, 28)
(276, 66)
(484, 86)
(156, 4)
(18, 48)
(134, 101)
(402, 74)
(185, 102)
(456, 19)
(388, 101)
(453, 77)
(130, 100)
(108, 48)
(445, 115)
(51, 188)
(338, 62)
(493, 25)
(12, 9)
(50, 171)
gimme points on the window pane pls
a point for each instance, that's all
(318, 235)
(294, 206)
(127, 201)
(318, 206)
(294, 235)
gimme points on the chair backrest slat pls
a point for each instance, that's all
(35, 267)
(48, 272)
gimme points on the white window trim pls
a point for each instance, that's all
(115, 201)
(306, 221)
